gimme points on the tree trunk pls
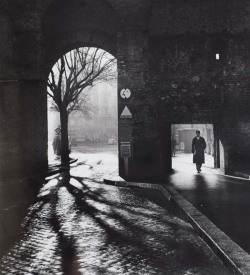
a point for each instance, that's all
(64, 136)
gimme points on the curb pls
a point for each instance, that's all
(64, 163)
(231, 254)
(54, 169)
(242, 175)
(139, 184)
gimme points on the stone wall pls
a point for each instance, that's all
(166, 56)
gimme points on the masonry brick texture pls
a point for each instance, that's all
(166, 55)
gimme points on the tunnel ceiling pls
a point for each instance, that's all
(156, 16)
(79, 14)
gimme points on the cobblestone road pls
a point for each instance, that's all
(81, 226)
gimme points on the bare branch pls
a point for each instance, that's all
(74, 72)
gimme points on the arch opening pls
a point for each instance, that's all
(182, 148)
(92, 122)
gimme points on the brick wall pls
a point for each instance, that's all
(178, 17)
(6, 45)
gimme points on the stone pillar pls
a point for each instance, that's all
(227, 144)
(217, 147)
(23, 128)
(23, 151)
(23, 123)
(145, 129)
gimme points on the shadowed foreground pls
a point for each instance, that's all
(81, 226)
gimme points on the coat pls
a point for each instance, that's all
(198, 147)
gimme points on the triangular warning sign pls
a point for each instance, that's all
(126, 113)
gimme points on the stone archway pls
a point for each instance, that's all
(67, 26)
(121, 29)
(77, 24)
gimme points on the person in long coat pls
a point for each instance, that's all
(198, 148)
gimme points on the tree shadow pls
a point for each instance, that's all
(133, 234)
(154, 196)
(128, 234)
(66, 243)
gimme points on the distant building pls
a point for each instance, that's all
(103, 124)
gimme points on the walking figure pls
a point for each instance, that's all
(198, 148)
(57, 141)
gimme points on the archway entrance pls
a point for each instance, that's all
(181, 143)
(88, 86)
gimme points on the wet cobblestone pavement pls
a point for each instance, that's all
(81, 226)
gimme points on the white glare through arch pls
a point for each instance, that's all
(99, 98)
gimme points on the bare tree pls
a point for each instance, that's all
(68, 80)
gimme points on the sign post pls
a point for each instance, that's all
(125, 154)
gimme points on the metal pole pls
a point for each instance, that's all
(126, 166)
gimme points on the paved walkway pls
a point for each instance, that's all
(224, 200)
(81, 226)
